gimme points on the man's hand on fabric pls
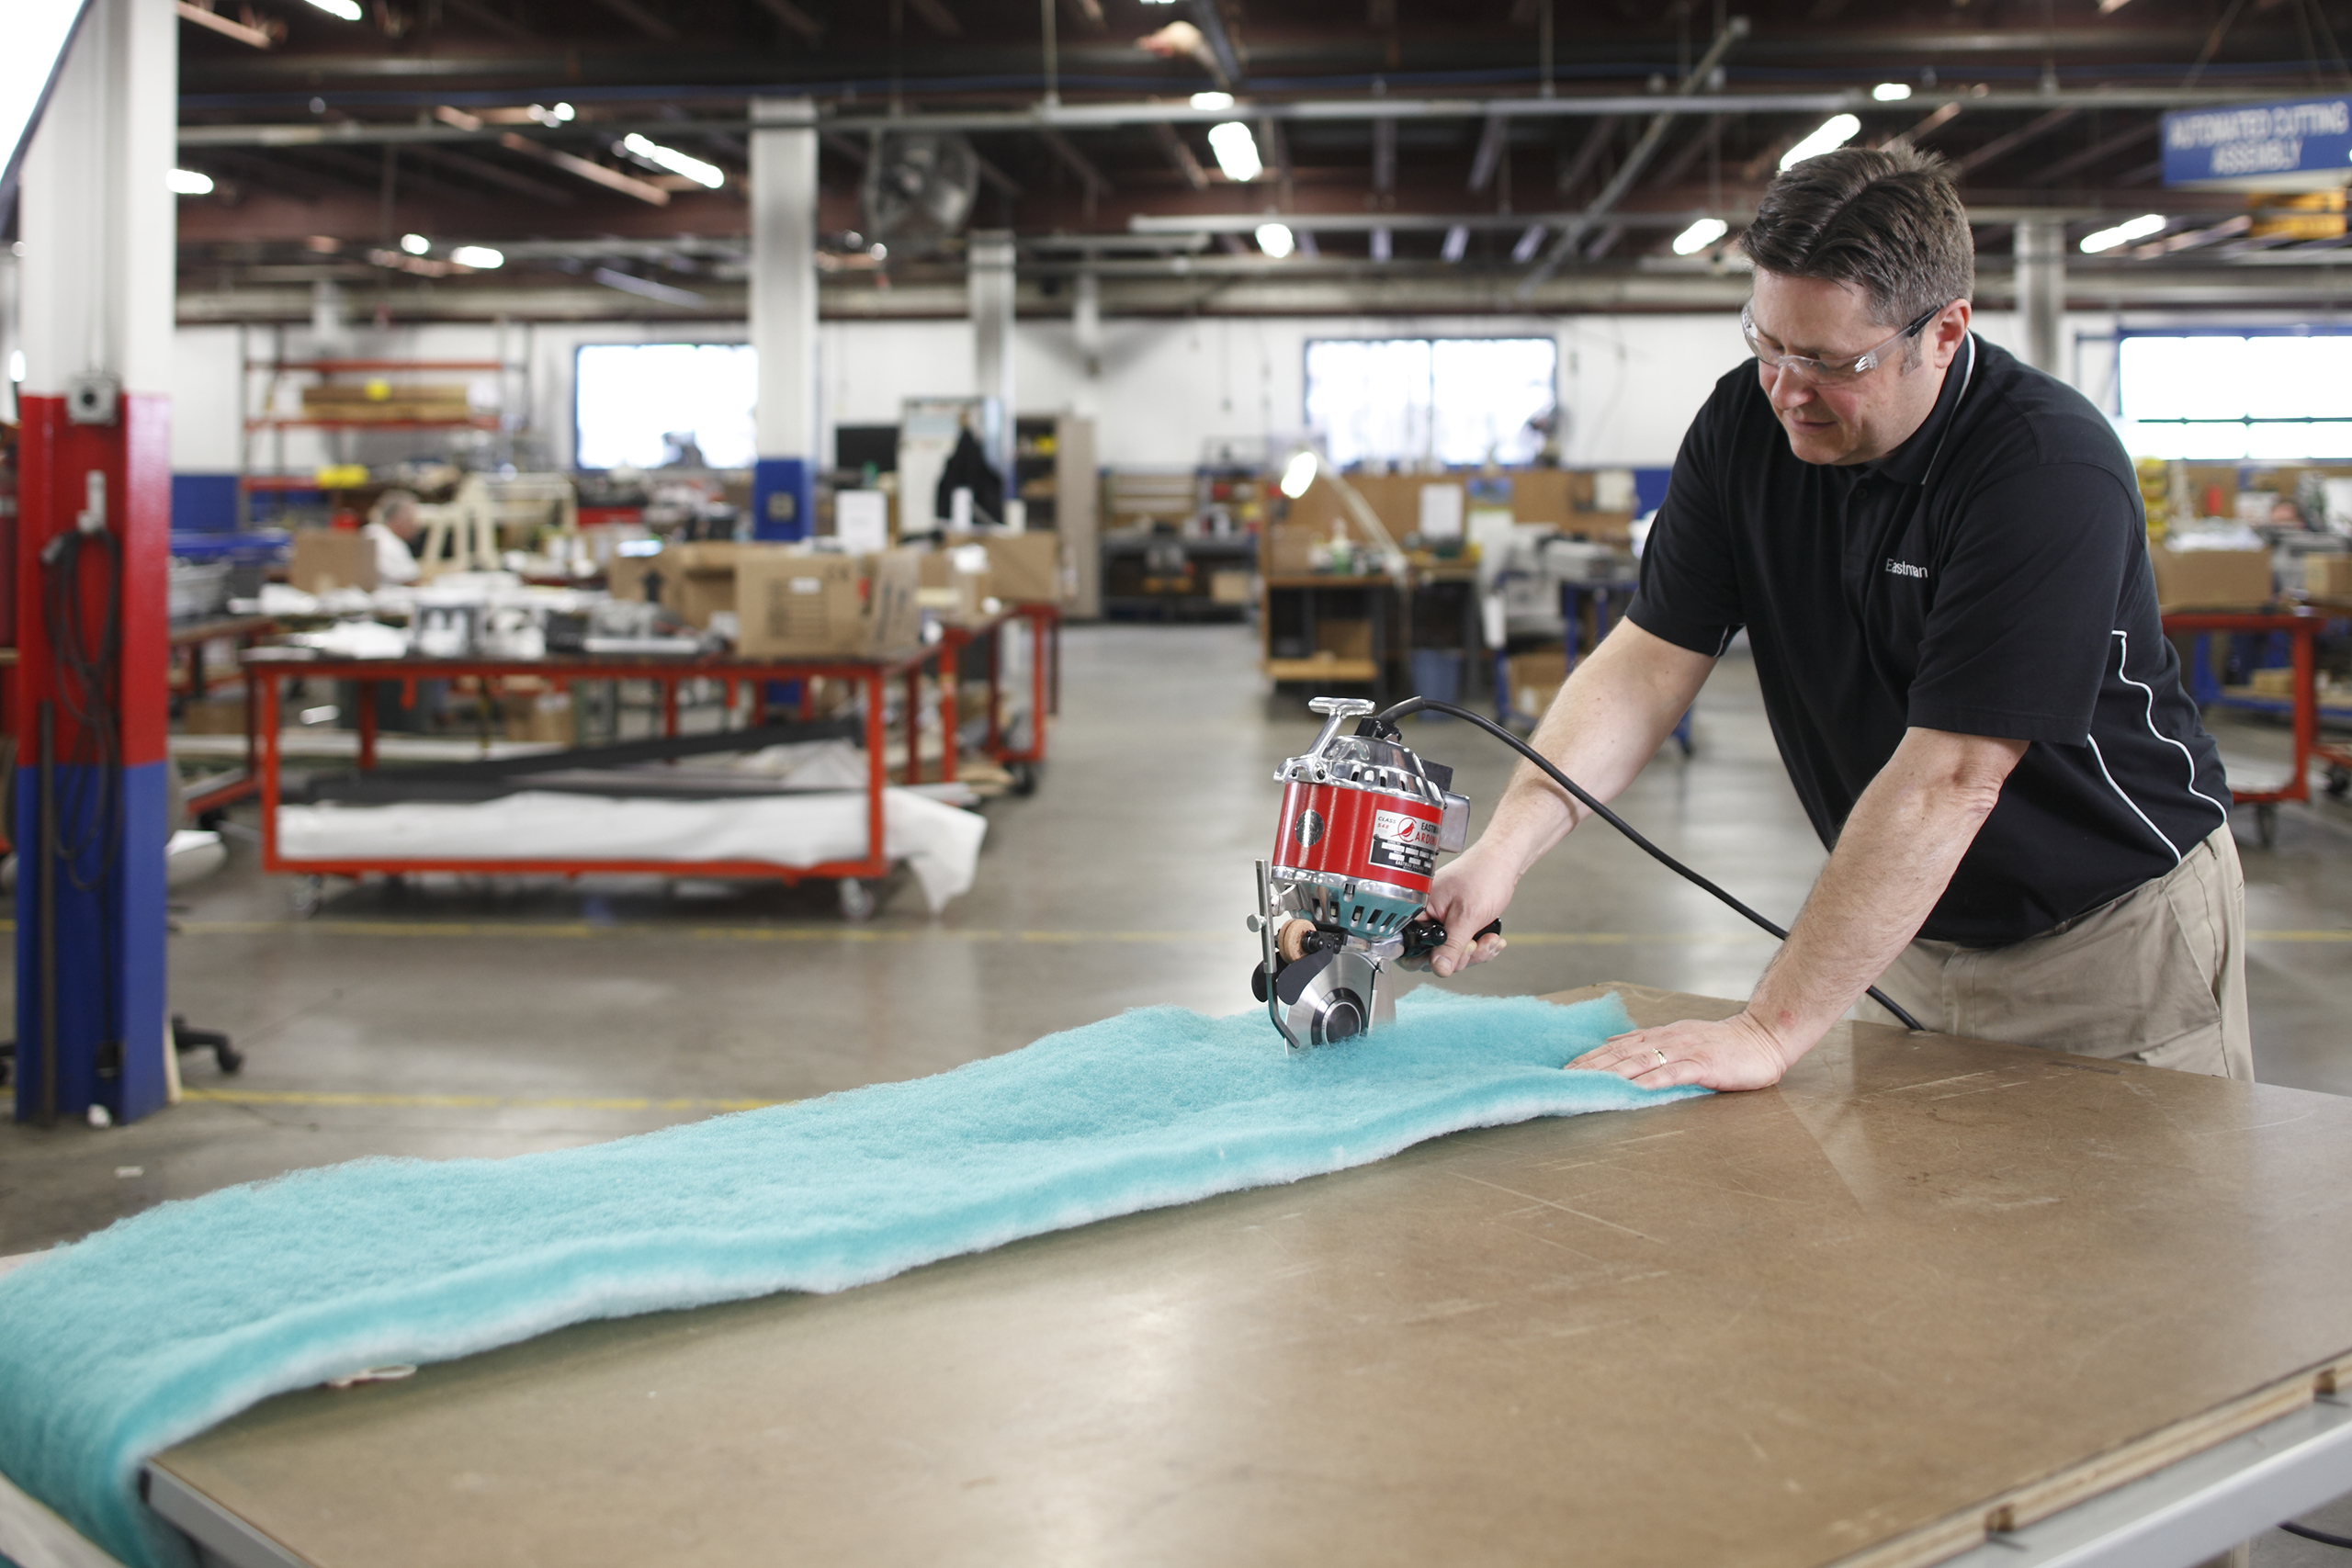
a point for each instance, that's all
(1468, 895)
(1736, 1054)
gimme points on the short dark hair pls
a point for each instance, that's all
(1885, 220)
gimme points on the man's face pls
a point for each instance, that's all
(1860, 420)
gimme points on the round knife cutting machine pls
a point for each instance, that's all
(1363, 819)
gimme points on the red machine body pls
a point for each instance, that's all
(1362, 834)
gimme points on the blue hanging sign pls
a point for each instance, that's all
(2302, 144)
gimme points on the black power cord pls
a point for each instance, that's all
(1386, 723)
(86, 815)
(2319, 1535)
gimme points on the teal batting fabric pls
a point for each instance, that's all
(164, 1324)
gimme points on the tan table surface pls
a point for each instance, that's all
(1923, 1284)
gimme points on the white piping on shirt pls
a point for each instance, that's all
(1966, 377)
(2148, 692)
(2093, 741)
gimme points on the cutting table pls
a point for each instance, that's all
(1929, 1300)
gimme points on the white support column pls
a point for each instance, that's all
(1086, 330)
(988, 279)
(99, 224)
(2041, 292)
(783, 315)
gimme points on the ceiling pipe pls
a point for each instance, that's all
(1112, 116)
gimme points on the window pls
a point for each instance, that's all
(2277, 397)
(1453, 400)
(639, 405)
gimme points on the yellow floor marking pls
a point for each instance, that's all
(462, 1102)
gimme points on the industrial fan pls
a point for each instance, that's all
(919, 187)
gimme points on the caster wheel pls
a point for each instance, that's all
(2266, 825)
(2339, 782)
(857, 901)
(307, 896)
(1025, 778)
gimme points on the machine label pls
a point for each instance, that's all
(1307, 829)
(1403, 843)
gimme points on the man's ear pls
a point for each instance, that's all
(1947, 331)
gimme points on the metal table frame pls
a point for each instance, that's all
(2299, 628)
(270, 667)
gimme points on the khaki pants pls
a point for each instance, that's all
(2157, 976)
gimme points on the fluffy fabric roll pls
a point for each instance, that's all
(163, 1325)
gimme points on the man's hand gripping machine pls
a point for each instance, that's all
(1363, 821)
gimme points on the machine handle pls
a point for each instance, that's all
(1424, 936)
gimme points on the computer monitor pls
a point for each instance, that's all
(854, 446)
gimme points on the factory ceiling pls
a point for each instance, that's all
(1492, 155)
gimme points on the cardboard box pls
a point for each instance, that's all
(329, 559)
(2328, 577)
(1233, 588)
(223, 715)
(1343, 639)
(625, 577)
(791, 605)
(1535, 680)
(1024, 569)
(699, 578)
(544, 718)
(2212, 579)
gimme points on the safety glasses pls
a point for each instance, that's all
(1827, 372)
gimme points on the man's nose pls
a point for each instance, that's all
(1787, 389)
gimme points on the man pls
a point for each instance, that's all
(1940, 557)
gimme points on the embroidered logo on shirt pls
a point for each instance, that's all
(1904, 568)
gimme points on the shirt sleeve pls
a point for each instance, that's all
(1688, 591)
(2016, 641)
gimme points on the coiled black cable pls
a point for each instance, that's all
(1387, 722)
(86, 676)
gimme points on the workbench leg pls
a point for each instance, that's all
(365, 691)
(996, 692)
(2306, 715)
(669, 706)
(947, 686)
(268, 684)
(914, 724)
(876, 777)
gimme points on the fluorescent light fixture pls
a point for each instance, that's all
(347, 9)
(415, 245)
(707, 174)
(1700, 235)
(477, 256)
(1212, 100)
(1890, 92)
(2123, 233)
(16, 365)
(1834, 132)
(555, 116)
(1237, 151)
(1528, 243)
(1299, 475)
(1275, 240)
(188, 182)
(1456, 244)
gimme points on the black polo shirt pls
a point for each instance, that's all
(1989, 576)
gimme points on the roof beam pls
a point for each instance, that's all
(937, 17)
(491, 174)
(1077, 163)
(611, 179)
(2098, 151)
(641, 19)
(206, 17)
(792, 17)
(1595, 142)
(1180, 152)
(481, 16)
(1491, 142)
(1223, 56)
(2040, 126)
(1630, 169)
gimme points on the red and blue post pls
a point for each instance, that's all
(90, 819)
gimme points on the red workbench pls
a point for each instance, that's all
(2299, 627)
(1045, 624)
(270, 667)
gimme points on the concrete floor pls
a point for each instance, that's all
(489, 1019)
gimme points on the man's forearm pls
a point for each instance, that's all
(1606, 724)
(1893, 860)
